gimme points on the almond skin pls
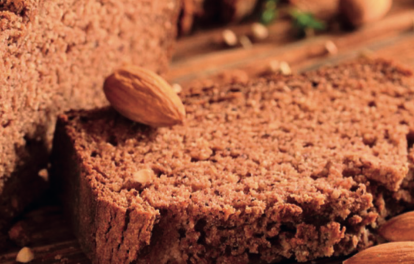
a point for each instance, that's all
(360, 12)
(395, 252)
(399, 228)
(143, 96)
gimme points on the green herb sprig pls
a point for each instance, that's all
(269, 12)
(306, 23)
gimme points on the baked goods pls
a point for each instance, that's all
(144, 97)
(55, 56)
(298, 166)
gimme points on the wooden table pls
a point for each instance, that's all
(203, 56)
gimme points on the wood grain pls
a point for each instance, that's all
(299, 54)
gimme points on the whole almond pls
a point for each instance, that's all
(259, 31)
(143, 96)
(399, 228)
(395, 252)
(229, 38)
(360, 12)
(25, 255)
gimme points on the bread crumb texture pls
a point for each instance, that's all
(55, 55)
(292, 166)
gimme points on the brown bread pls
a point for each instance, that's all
(293, 166)
(55, 56)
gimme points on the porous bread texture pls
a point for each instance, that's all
(303, 166)
(55, 55)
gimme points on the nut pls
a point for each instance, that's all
(25, 255)
(331, 47)
(360, 12)
(143, 176)
(43, 174)
(259, 31)
(245, 42)
(395, 252)
(139, 179)
(399, 228)
(144, 97)
(229, 37)
(285, 68)
(177, 88)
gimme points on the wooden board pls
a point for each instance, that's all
(387, 37)
(202, 56)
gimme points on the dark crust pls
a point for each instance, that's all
(93, 216)
(55, 57)
(213, 200)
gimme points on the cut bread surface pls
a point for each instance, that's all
(302, 166)
(55, 55)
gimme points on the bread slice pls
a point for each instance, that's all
(55, 56)
(303, 166)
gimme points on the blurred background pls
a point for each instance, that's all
(261, 37)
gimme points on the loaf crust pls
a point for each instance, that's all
(303, 166)
(55, 56)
